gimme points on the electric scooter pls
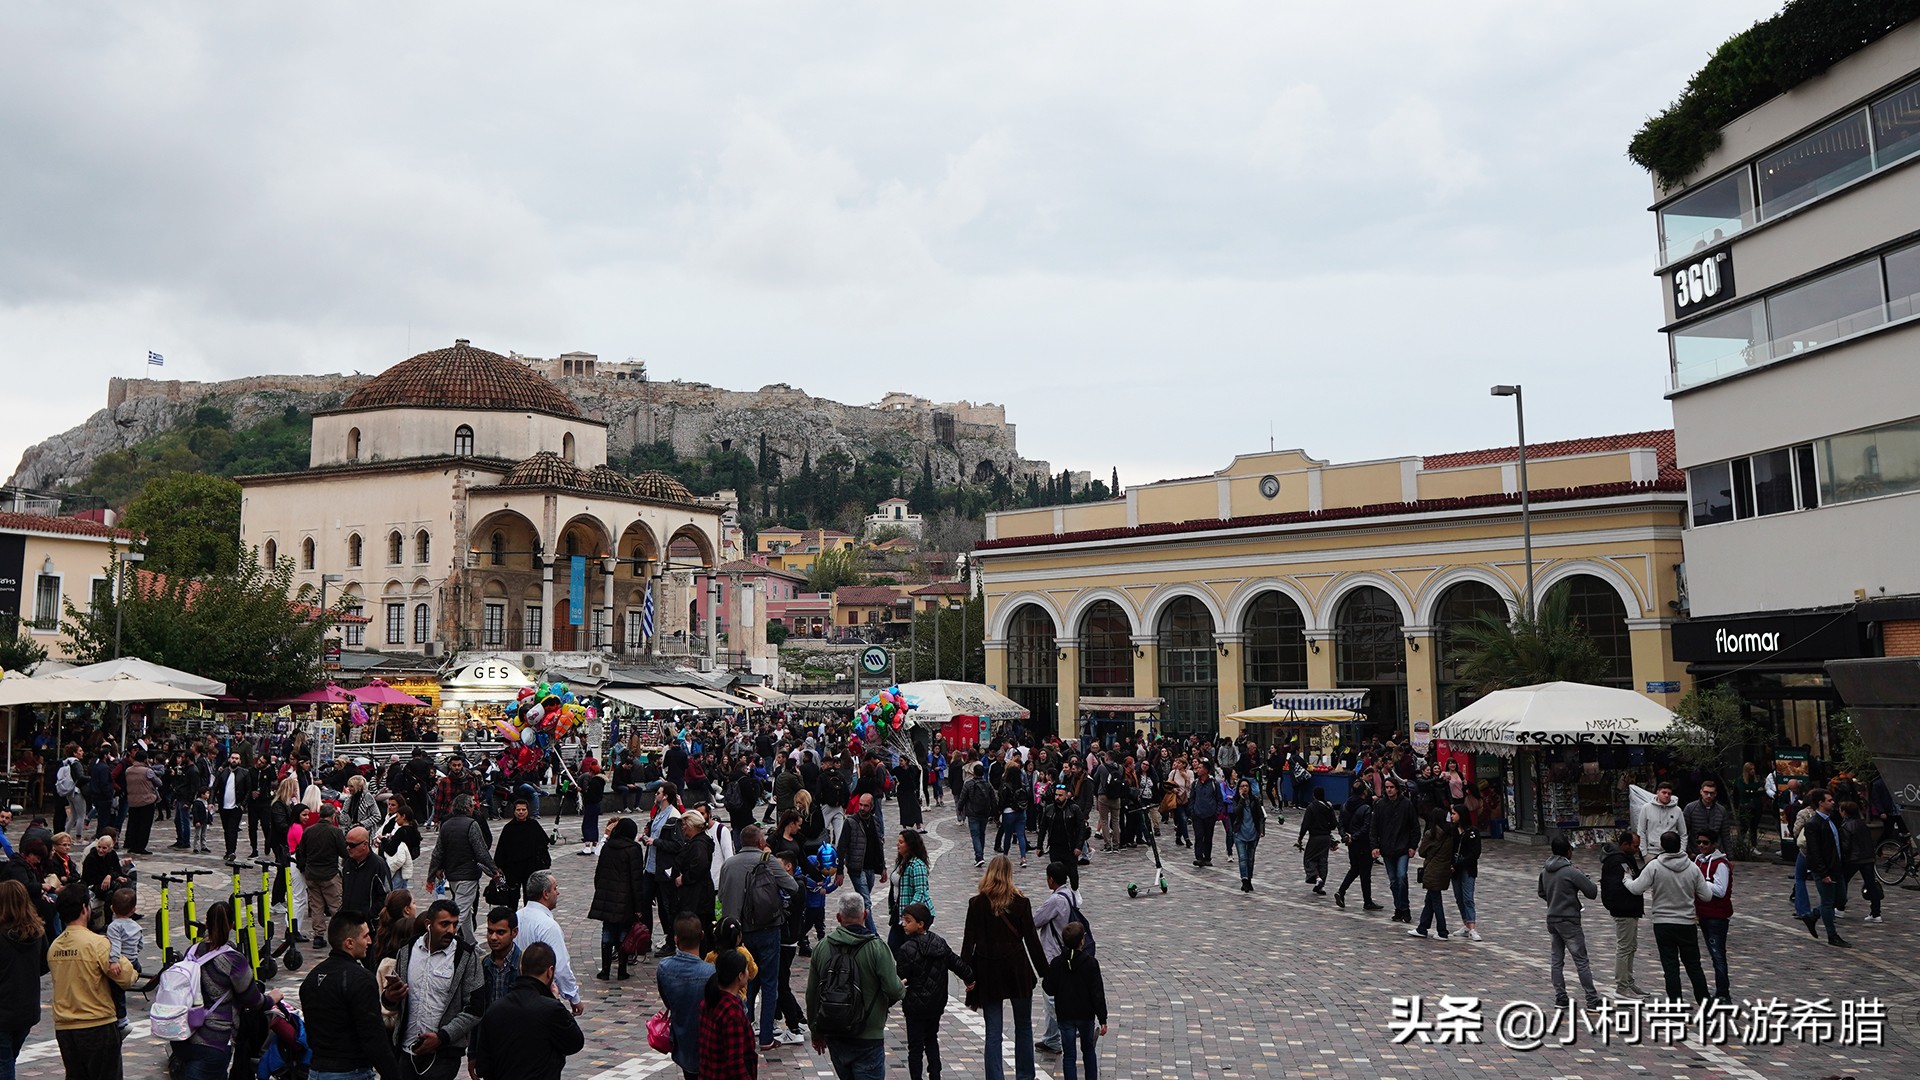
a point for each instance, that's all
(163, 920)
(1153, 845)
(191, 921)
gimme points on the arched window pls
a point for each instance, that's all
(1033, 670)
(1274, 644)
(1188, 667)
(422, 547)
(1106, 651)
(566, 446)
(1460, 607)
(1596, 608)
(497, 549)
(271, 553)
(422, 624)
(396, 548)
(306, 553)
(463, 441)
(1370, 652)
(353, 549)
(353, 444)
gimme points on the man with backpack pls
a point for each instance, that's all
(851, 983)
(70, 783)
(1016, 798)
(750, 884)
(1110, 795)
(1050, 920)
(978, 804)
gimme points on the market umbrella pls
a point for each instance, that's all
(330, 694)
(134, 667)
(936, 701)
(64, 690)
(1557, 714)
(380, 692)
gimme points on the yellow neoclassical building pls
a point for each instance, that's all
(1281, 572)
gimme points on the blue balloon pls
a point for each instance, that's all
(826, 858)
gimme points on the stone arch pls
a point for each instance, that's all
(518, 538)
(1158, 600)
(1560, 571)
(353, 444)
(494, 589)
(1077, 611)
(1436, 587)
(307, 550)
(566, 447)
(639, 546)
(697, 538)
(1004, 612)
(1243, 597)
(270, 553)
(1336, 592)
(589, 535)
(356, 549)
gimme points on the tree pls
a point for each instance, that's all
(777, 633)
(1551, 646)
(246, 626)
(191, 522)
(961, 652)
(948, 530)
(1114, 484)
(18, 652)
(1713, 734)
(831, 569)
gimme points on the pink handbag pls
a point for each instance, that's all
(660, 1032)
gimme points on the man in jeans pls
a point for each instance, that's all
(1561, 886)
(1717, 912)
(978, 804)
(1396, 833)
(760, 929)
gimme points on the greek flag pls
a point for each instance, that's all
(154, 359)
(646, 614)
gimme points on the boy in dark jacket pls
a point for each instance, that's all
(1622, 863)
(1079, 1000)
(924, 961)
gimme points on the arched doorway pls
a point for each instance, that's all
(1106, 651)
(1189, 671)
(1274, 646)
(1370, 653)
(1460, 607)
(1595, 607)
(1033, 673)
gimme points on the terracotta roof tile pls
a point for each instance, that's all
(659, 485)
(1659, 441)
(462, 377)
(71, 526)
(865, 595)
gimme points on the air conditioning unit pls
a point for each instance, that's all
(706, 664)
(433, 648)
(597, 669)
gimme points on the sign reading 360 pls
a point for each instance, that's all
(1705, 280)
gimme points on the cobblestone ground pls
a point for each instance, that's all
(1208, 981)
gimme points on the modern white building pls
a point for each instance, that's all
(891, 513)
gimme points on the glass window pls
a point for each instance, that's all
(1707, 216)
(1773, 482)
(1865, 464)
(531, 625)
(353, 550)
(1714, 348)
(356, 631)
(422, 624)
(463, 441)
(102, 594)
(1461, 607)
(1596, 608)
(1274, 640)
(46, 602)
(1742, 488)
(493, 624)
(271, 554)
(306, 553)
(1815, 165)
(1808, 479)
(1896, 124)
(394, 548)
(1106, 651)
(1711, 490)
(1030, 649)
(1903, 283)
(422, 547)
(1368, 642)
(396, 624)
(1826, 309)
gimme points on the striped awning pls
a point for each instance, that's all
(1320, 701)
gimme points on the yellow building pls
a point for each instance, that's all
(794, 550)
(1283, 572)
(48, 561)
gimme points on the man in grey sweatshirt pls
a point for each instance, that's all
(1672, 884)
(1561, 886)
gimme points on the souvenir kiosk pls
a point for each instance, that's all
(1320, 721)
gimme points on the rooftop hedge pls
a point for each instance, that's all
(1773, 56)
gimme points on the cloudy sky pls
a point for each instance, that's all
(1156, 232)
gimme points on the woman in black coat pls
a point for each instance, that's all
(693, 874)
(523, 847)
(1003, 949)
(619, 889)
(23, 960)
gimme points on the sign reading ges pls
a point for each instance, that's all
(1705, 280)
(489, 673)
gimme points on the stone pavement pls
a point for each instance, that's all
(1206, 981)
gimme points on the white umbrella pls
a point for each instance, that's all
(1557, 714)
(134, 667)
(936, 701)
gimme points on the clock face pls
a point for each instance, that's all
(1269, 486)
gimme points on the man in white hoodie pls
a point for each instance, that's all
(1661, 816)
(1672, 885)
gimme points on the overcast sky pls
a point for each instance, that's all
(1154, 231)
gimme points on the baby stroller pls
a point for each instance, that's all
(272, 1046)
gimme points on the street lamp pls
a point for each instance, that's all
(135, 558)
(1526, 511)
(962, 609)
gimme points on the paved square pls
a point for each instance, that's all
(1207, 981)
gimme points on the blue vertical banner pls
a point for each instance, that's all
(577, 593)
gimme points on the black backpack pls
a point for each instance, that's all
(761, 906)
(842, 1010)
(1074, 914)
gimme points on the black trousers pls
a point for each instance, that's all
(91, 1053)
(230, 827)
(1360, 868)
(789, 1006)
(1315, 861)
(139, 828)
(1203, 839)
(257, 826)
(923, 1040)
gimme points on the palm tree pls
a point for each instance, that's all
(1549, 646)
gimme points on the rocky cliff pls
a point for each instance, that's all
(963, 442)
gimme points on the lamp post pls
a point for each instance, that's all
(135, 558)
(937, 605)
(961, 607)
(1526, 511)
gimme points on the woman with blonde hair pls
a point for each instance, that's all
(23, 959)
(361, 808)
(813, 824)
(1003, 948)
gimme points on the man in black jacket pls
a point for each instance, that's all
(1826, 863)
(364, 876)
(232, 787)
(1316, 836)
(1063, 832)
(1627, 908)
(1356, 831)
(1396, 833)
(527, 1034)
(341, 1005)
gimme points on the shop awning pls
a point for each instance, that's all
(1556, 714)
(1121, 704)
(700, 699)
(1267, 714)
(645, 698)
(766, 695)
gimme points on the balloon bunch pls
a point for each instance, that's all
(886, 709)
(357, 714)
(541, 713)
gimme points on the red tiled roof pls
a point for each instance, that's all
(154, 583)
(462, 377)
(72, 526)
(1659, 441)
(943, 588)
(1666, 483)
(748, 566)
(865, 595)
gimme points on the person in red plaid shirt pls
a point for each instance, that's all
(456, 783)
(727, 1049)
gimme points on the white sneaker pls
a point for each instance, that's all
(1839, 913)
(1473, 935)
(1416, 933)
(1874, 919)
(787, 1038)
